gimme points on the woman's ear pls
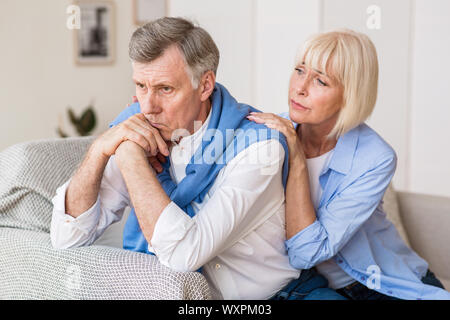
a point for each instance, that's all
(207, 83)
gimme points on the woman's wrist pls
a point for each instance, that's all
(297, 162)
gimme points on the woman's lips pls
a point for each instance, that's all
(298, 106)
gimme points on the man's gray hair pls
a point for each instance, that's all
(198, 48)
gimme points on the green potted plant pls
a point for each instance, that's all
(83, 124)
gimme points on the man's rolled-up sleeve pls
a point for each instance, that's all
(68, 232)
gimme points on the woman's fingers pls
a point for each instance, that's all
(273, 121)
(263, 115)
(270, 117)
(256, 119)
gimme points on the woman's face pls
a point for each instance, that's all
(314, 97)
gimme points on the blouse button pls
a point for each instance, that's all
(217, 266)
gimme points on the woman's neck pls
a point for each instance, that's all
(315, 139)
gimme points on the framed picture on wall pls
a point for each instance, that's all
(147, 10)
(95, 39)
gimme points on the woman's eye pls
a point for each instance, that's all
(321, 82)
(299, 71)
(140, 85)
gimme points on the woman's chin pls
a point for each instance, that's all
(296, 116)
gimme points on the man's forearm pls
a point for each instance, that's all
(147, 196)
(84, 187)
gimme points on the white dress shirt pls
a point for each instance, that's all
(237, 234)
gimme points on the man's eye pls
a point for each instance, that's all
(167, 89)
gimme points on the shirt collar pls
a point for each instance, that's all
(344, 152)
(342, 158)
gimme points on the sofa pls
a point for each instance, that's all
(30, 268)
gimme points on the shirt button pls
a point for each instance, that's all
(389, 292)
(363, 278)
(217, 266)
(340, 261)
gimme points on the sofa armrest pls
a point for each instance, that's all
(426, 219)
(31, 269)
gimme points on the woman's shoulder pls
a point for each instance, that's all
(362, 152)
(369, 138)
(371, 147)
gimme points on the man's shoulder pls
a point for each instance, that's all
(126, 113)
(261, 153)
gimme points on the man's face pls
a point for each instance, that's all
(165, 93)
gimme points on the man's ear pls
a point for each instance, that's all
(206, 85)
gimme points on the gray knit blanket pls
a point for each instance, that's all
(31, 269)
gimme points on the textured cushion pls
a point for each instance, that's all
(31, 269)
(30, 173)
(391, 207)
(427, 221)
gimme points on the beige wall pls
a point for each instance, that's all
(257, 40)
(38, 78)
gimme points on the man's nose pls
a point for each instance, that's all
(149, 104)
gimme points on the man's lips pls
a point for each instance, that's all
(156, 125)
(298, 105)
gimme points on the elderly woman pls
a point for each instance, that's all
(339, 171)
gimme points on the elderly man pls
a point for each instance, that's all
(199, 198)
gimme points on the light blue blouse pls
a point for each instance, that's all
(351, 225)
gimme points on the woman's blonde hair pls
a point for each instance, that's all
(351, 59)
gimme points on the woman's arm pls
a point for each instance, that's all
(300, 211)
(312, 240)
(341, 217)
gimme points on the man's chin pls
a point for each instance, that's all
(167, 137)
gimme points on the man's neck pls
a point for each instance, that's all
(205, 109)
